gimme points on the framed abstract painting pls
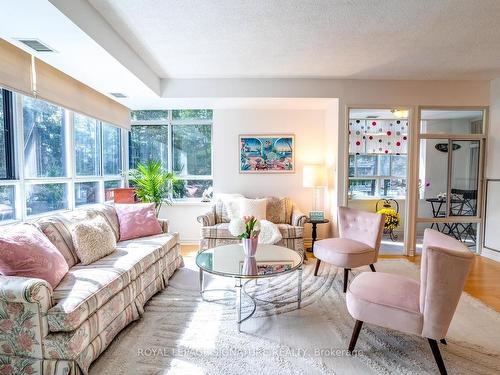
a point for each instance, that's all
(267, 153)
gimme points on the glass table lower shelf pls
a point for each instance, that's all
(230, 261)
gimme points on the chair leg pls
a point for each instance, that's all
(355, 334)
(443, 341)
(437, 356)
(372, 267)
(318, 261)
(346, 278)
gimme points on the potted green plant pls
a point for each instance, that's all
(152, 183)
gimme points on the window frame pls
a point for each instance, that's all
(170, 123)
(21, 184)
(379, 178)
(8, 132)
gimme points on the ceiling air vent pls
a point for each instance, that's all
(36, 45)
(118, 95)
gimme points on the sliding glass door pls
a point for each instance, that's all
(451, 149)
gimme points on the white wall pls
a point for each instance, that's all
(309, 129)
(308, 126)
(182, 218)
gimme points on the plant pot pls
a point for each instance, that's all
(249, 266)
(250, 246)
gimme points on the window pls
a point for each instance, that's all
(44, 139)
(192, 150)
(181, 140)
(111, 150)
(3, 148)
(41, 198)
(87, 145)
(93, 139)
(86, 193)
(377, 157)
(54, 179)
(148, 142)
(6, 138)
(7, 203)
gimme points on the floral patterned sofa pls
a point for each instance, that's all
(281, 211)
(62, 331)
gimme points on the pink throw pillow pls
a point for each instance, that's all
(137, 220)
(25, 251)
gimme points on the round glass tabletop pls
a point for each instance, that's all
(229, 260)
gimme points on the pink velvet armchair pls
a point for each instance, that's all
(401, 303)
(360, 234)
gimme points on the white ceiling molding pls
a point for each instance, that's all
(91, 21)
(380, 93)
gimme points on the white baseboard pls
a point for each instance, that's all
(189, 242)
(491, 254)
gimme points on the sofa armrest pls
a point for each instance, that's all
(298, 218)
(164, 225)
(207, 220)
(24, 303)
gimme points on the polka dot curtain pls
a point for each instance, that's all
(378, 136)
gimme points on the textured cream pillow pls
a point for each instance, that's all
(253, 207)
(93, 239)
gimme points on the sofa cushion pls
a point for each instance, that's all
(290, 231)
(86, 288)
(222, 231)
(137, 220)
(279, 210)
(26, 252)
(387, 300)
(58, 230)
(108, 212)
(253, 207)
(344, 252)
(93, 239)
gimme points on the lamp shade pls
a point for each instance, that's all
(314, 176)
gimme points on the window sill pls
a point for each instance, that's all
(190, 202)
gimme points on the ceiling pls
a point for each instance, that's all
(395, 39)
(144, 49)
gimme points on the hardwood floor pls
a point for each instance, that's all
(483, 282)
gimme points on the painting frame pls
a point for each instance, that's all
(259, 164)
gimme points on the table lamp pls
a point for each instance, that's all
(314, 176)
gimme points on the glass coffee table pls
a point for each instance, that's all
(230, 261)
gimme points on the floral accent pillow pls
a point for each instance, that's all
(27, 252)
(137, 220)
(93, 239)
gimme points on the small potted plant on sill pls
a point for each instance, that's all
(247, 229)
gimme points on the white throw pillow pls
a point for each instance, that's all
(231, 204)
(233, 208)
(93, 239)
(253, 207)
(269, 233)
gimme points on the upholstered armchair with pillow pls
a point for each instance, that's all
(280, 211)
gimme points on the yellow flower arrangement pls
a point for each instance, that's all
(392, 218)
